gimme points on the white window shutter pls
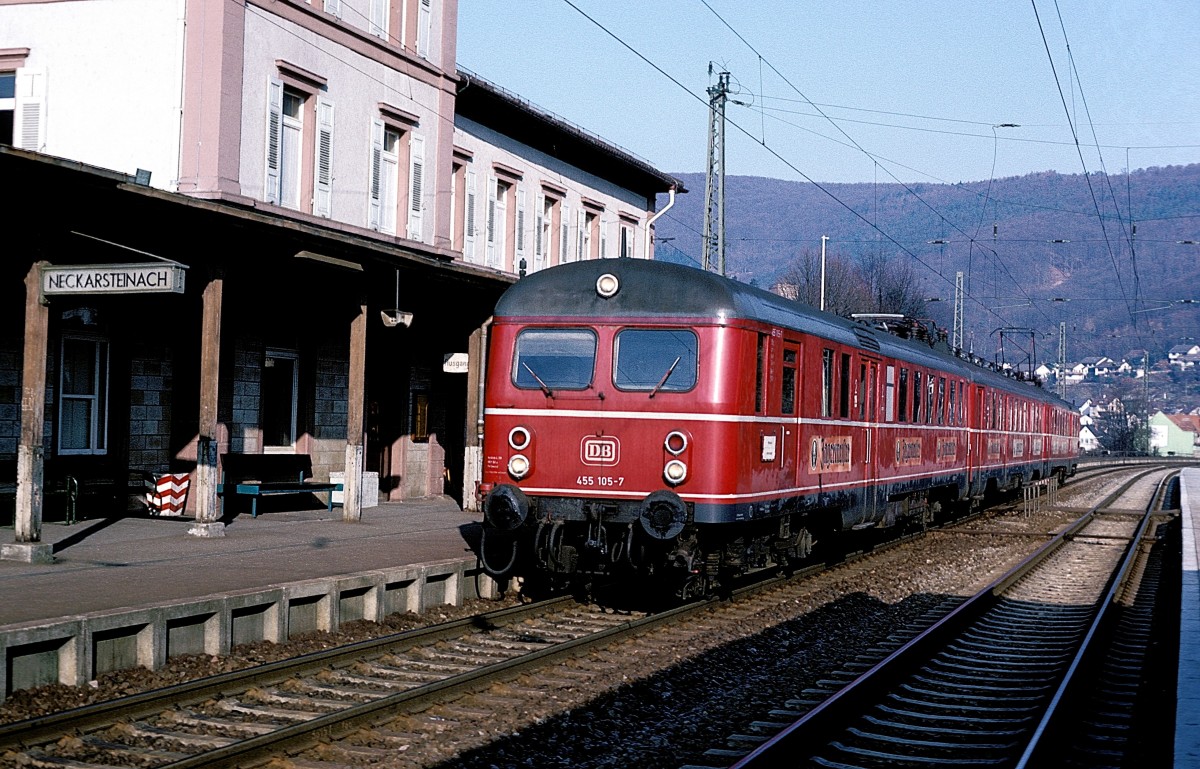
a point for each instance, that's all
(334, 7)
(274, 139)
(469, 220)
(373, 212)
(520, 227)
(416, 185)
(29, 119)
(379, 18)
(539, 238)
(565, 239)
(581, 236)
(424, 24)
(490, 225)
(323, 167)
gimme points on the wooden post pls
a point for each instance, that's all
(356, 399)
(204, 489)
(473, 450)
(30, 450)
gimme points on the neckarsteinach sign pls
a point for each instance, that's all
(113, 279)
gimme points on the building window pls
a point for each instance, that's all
(291, 141)
(419, 417)
(8, 105)
(299, 162)
(83, 404)
(385, 177)
(279, 391)
(497, 223)
(625, 247)
(543, 231)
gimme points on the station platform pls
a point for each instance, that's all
(1187, 713)
(135, 590)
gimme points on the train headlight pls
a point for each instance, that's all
(675, 443)
(675, 472)
(518, 466)
(607, 285)
(519, 438)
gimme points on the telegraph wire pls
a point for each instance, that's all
(1062, 97)
(858, 146)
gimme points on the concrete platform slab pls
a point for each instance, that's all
(134, 591)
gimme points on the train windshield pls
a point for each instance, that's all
(655, 359)
(554, 359)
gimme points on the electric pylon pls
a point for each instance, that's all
(714, 182)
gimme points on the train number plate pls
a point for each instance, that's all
(601, 481)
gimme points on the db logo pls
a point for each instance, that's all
(602, 452)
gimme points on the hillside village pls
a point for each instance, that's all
(1125, 409)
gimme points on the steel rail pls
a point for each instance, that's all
(1035, 748)
(792, 744)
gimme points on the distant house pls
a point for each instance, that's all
(1097, 366)
(1087, 440)
(1043, 372)
(1180, 350)
(1186, 361)
(1174, 434)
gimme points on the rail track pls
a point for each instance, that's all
(985, 685)
(307, 704)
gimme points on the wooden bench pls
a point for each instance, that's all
(257, 475)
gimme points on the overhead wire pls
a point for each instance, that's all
(865, 152)
(1083, 162)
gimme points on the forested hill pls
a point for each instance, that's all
(1027, 239)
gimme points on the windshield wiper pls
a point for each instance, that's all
(538, 379)
(666, 376)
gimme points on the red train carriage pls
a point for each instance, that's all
(652, 417)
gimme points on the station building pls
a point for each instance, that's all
(261, 227)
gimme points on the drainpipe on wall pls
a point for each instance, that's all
(650, 223)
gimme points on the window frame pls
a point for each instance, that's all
(515, 368)
(279, 353)
(695, 370)
(98, 396)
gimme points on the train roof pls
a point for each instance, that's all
(652, 289)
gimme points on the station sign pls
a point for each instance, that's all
(455, 363)
(137, 278)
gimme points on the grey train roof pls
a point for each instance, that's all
(651, 289)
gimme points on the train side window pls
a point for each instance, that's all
(929, 389)
(554, 358)
(844, 389)
(941, 401)
(862, 391)
(655, 359)
(889, 410)
(826, 383)
(951, 414)
(788, 396)
(962, 405)
(916, 403)
(759, 373)
(902, 412)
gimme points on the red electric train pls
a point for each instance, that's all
(657, 419)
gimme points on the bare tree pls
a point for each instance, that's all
(845, 291)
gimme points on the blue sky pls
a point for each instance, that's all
(961, 67)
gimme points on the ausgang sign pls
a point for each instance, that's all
(139, 278)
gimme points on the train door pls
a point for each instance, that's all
(789, 408)
(870, 370)
(976, 421)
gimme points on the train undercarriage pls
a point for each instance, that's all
(658, 542)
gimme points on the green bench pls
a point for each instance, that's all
(259, 475)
